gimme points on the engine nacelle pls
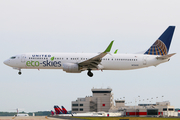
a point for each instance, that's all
(71, 68)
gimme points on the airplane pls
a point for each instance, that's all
(20, 114)
(52, 113)
(64, 110)
(78, 62)
(57, 109)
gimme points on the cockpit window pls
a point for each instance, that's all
(13, 57)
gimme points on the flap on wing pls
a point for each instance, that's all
(95, 61)
(166, 56)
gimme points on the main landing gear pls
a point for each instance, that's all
(89, 73)
(19, 72)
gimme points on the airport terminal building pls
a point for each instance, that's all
(102, 100)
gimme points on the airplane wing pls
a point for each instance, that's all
(166, 56)
(95, 61)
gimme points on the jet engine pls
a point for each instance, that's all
(71, 68)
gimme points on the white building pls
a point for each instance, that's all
(99, 101)
(145, 110)
(102, 101)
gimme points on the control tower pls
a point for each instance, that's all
(99, 101)
(102, 98)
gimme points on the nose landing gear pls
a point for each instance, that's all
(89, 73)
(19, 72)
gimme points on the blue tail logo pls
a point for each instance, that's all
(162, 45)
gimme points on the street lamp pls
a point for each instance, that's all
(156, 99)
(162, 98)
(138, 99)
(152, 99)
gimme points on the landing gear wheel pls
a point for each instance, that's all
(19, 73)
(89, 73)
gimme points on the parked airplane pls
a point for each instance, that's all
(20, 114)
(78, 62)
(58, 110)
(52, 113)
(64, 110)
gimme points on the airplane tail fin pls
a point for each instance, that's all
(162, 45)
(52, 113)
(57, 109)
(64, 110)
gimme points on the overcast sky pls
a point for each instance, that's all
(85, 26)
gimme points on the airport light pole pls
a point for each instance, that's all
(162, 98)
(156, 99)
(152, 99)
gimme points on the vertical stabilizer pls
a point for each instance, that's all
(64, 110)
(57, 110)
(162, 45)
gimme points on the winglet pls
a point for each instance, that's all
(108, 49)
(116, 51)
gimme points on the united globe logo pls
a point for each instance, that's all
(158, 48)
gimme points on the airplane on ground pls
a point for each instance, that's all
(64, 110)
(20, 114)
(58, 110)
(78, 62)
(52, 113)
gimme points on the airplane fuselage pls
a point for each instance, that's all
(56, 61)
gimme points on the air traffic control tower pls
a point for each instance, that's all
(100, 101)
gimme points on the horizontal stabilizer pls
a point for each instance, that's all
(166, 56)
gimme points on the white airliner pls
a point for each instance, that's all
(78, 62)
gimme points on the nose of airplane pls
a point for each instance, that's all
(6, 62)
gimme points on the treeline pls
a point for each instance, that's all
(7, 113)
(39, 113)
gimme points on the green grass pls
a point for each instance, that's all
(130, 118)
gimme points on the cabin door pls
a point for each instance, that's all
(23, 57)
